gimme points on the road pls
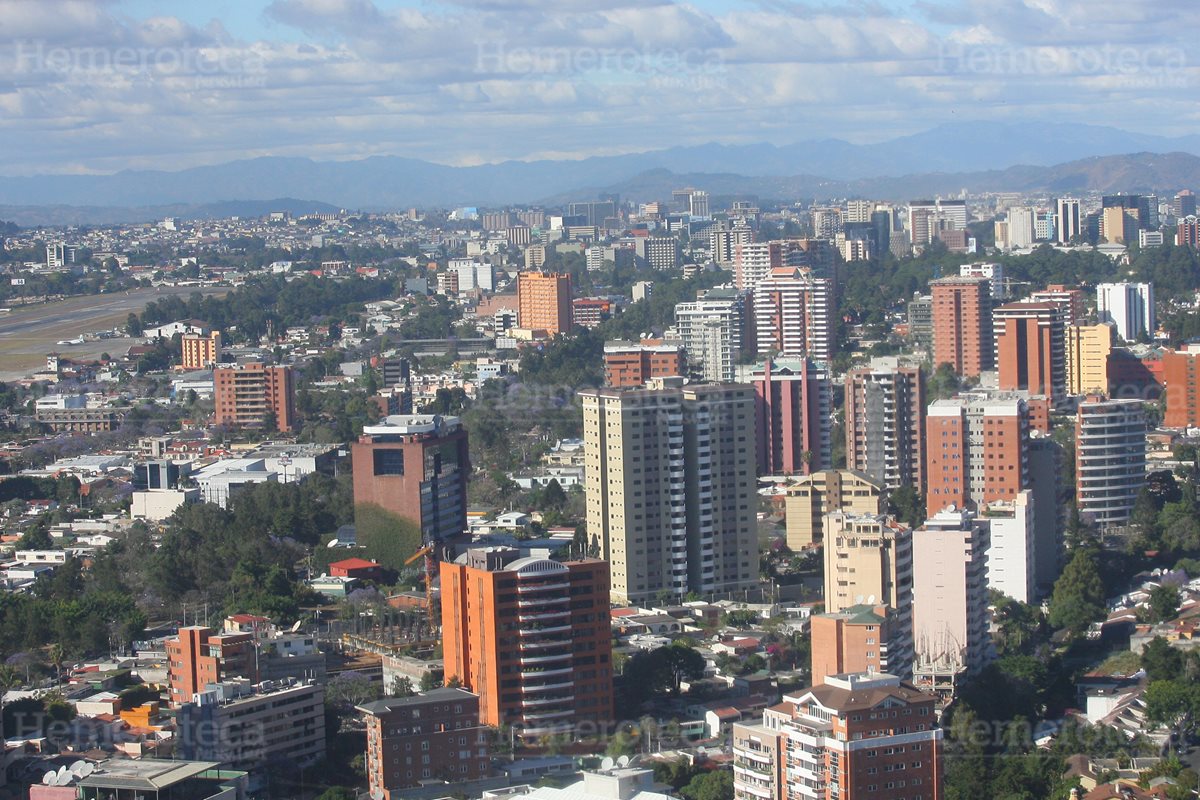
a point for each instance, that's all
(28, 334)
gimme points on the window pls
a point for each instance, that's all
(389, 462)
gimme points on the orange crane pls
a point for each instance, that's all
(426, 551)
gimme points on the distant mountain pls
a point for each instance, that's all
(32, 216)
(974, 155)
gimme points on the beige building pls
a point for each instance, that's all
(671, 499)
(813, 496)
(869, 559)
(1088, 348)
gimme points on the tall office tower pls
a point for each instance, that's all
(1184, 204)
(885, 422)
(1188, 231)
(254, 394)
(993, 272)
(671, 491)
(962, 325)
(724, 243)
(1071, 301)
(883, 226)
(1118, 225)
(1000, 234)
(659, 252)
(839, 740)
(432, 735)
(594, 213)
(713, 332)
(794, 315)
(1030, 348)
(473, 274)
(1181, 377)
(753, 261)
(859, 210)
(631, 364)
(869, 559)
(417, 468)
(1086, 358)
(793, 403)
(1110, 459)
(976, 451)
(812, 496)
(920, 221)
(534, 218)
(395, 372)
(698, 204)
(198, 656)
(920, 320)
(950, 598)
(852, 640)
(497, 220)
(530, 636)
(200, 351)
(535, 256)
(952, 214)
(1020, 227)
(1012, 547)
(1129, 306)
(1135, 205)
(681, 200)
(1067, 223)
(544, 302)
(826, 221)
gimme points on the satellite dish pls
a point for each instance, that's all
(607, 763)
(377, 794)
(870, 599)
(88, 769)
(623, 761)
(64, 779)
(64, 770)
(296, 627)
(77, 768)
(49, 778)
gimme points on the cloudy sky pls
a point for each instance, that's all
(109, 84)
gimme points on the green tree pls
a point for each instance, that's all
(1078, 597)
(714, 785)
(1161, 661)
(1164, 603)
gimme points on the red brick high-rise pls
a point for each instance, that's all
(792, 404)
(1181, 376)
(1030, 348)
(962, 324)
(251, 394)
(977, 450)
(631, 364)
(198, 657)
(544, 302)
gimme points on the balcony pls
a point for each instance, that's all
(541, 587)
(546, 687)
(535, 616)
(545, 673)
(548, 701)
(531, 602)
(545, 659)
(545, 716)
(539, 631)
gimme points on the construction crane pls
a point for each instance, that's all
(427, 552)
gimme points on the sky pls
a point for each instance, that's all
(104, 85)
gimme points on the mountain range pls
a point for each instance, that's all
(977, 156)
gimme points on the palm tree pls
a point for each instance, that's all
(9, 677)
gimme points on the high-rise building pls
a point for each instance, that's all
(920, 320)
(1181, 376)
(724, 242)
(416, 467)
(1030, 348)
(254, 394)
(199, 351)
(698, 203)
(535, 256)
(993, 272)
(976, 451)
(198, 656)
(435, 735)
(1184, 204)
(1110, 459)
(1129, 306)
(713, 331)
(794, 315)
(753, 261)
(671, 487)
(530, 637)
(631, 364)
(544, 302)
(1012, 549)
(840, 740)
(869, 559)
(659, 252)
(1067, 223)
(1071, 301)
(859, 210)
(962, 325)
(1188, 231)
(920, 221)
(473, 274)
(885, 422)
(497, 220)
(950, 597)
(812, 496)
(1118, 226)
(1021, 233)
(826, 221)
(1087, 351)
(793, 402)
(852, 640)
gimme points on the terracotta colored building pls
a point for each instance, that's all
(858, 736)
(530, 636)
(976, 451)
(435, 735)
(630, 364)
(962, 324)
(852, 640)
(356, 568)
(198, 657)
(199, 351)
(249, 394)
(544, 302)
(1181, 374)
(1030, 348)
(415, 467)
(793, 399)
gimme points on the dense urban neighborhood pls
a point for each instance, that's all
(628, 498)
